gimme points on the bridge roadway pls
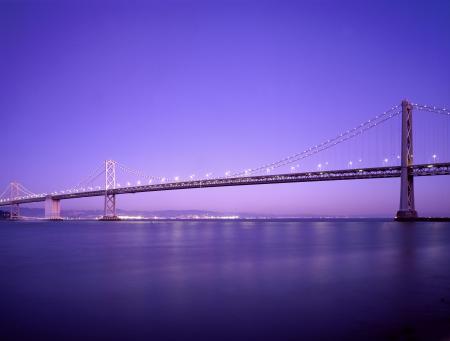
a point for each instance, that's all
(331, 175)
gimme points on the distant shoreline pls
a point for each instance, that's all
(256, 219)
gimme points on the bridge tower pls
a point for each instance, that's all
(407, 209)
(14, 193)
(110, 184)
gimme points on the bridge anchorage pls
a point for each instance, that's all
(402, 167)
(52, 209)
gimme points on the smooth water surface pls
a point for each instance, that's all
(232, 280)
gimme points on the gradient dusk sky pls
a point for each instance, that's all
(175, 88)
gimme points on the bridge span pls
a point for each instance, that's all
(331, 175)
(16, 194)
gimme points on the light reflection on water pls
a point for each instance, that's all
(224, 279)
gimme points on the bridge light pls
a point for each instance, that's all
(227, 173)
(177, 178)
(149, 181)
(138, 182)
(118, 185)
(192, 176)
(163, 179)
(434, 157)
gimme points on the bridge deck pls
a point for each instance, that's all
(331, 175)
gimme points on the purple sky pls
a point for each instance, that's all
(181, 87)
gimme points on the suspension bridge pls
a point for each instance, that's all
(364, 164)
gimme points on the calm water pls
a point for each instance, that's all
(224, 280)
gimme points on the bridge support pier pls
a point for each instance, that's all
(110, 208)
(407, 209)
(52, 209)
(14, 213)
(110, 198)
(14, 193)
